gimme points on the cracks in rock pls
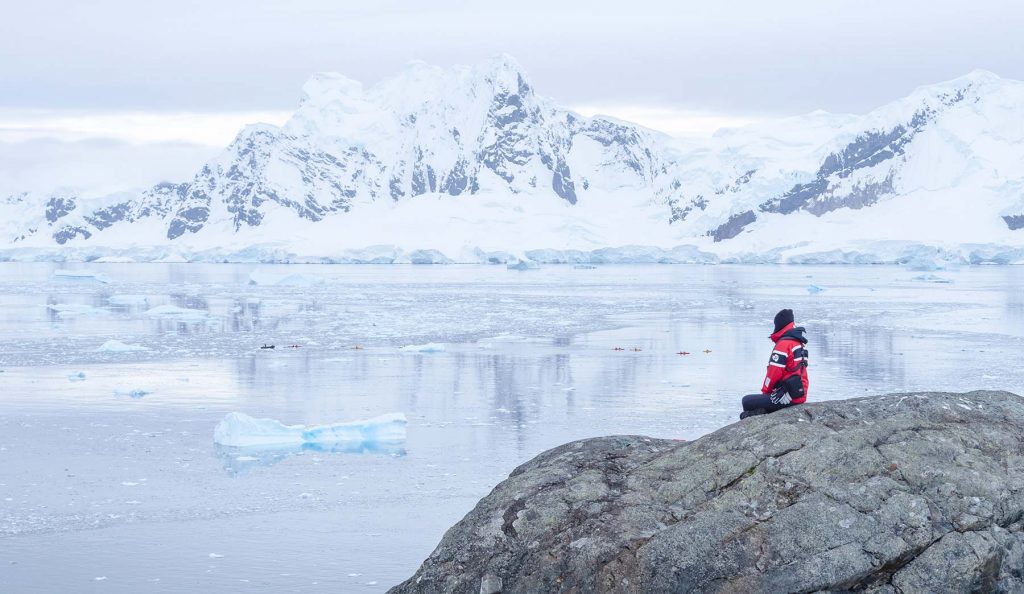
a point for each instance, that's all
(596, 492)
(510, 516)
(627, 557)
(884, 574)
(753, 470)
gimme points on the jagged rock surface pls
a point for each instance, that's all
(905, 493)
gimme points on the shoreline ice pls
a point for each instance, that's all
(920, 255)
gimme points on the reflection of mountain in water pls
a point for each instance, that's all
(864, 353)
(237, 460)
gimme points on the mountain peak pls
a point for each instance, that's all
(327, 87)
(504, 72)
(979, 82)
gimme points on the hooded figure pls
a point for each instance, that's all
(786, 382)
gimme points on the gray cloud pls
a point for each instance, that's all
(749, 57)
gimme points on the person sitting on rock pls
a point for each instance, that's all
(785, 384)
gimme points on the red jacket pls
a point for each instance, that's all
(789, 357)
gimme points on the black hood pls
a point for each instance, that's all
(796, 333)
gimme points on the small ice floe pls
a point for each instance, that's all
(173, 312)
(281, 279)
(77, 377)
(814, 289)
(932, 278)
(585, 267)
(131, 392)
(241, 430)
(430, 347)
(127, 300)
(216, 556)
(76, 310)
(87, 275)
(116, 346)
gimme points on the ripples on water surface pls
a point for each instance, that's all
(108, 468)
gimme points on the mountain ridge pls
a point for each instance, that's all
(484, 163)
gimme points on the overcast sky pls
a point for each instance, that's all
(132, 70)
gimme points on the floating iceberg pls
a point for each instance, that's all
(241, 430)
(81, 275)
(266, 278)
(430, 347)
(517, 264)
(131, 392)
(177, 313)
(931, 278)
(814, 289)
(77, 377)
(116, 346)
(72, 310)
(125, 300)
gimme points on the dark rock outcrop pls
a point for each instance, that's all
(918, 492)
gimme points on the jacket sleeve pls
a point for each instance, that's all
(776, 368)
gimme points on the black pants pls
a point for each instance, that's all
(760, 404)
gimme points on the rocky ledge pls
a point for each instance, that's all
(918, 492)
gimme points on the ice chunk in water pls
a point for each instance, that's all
(430, 347)
(127, 300)
(177, 313)
(116, 346)
(517, 264)
(131, 392)
(71, 310)
(238, 429)
(81, 275)
(263, 277)
(814, 289)
(76, 377)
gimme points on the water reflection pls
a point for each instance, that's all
(242, 460)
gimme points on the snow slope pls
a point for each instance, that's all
(470, 164)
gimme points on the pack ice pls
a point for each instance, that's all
(240, 430)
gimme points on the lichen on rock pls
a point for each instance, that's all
(920, 492)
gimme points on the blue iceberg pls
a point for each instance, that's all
(241, 430)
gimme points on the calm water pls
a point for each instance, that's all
(108, 492)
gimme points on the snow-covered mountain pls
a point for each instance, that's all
(471, 164)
